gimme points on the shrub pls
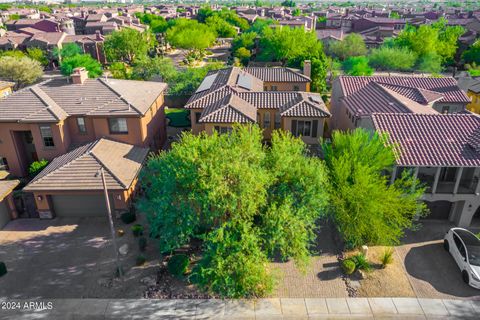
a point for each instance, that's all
(361, 262)
(348, 266)
(137, 230)
(177, 265)
(36, 167)
(142, 243)
(140, 260)
(386, 257)
(3, 269)
(128, 217)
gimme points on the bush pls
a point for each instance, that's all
(142, 243)
(36, 167)
(361, 262)
(137, 230)
(128, 217)
(386, 257)
(140, 260)
(3, 269)
(348, 266)
(177, 265)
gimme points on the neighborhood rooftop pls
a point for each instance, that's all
(77, 169)
(56, 99)
(433, 140)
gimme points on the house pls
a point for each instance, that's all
(7, 206)
(235, 95)
(6, 88)
(443, 152)
(47, 120)
(71, 185)
(473, 91)
(355, 99)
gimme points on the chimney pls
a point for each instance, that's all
(307, 68)
(79, 75)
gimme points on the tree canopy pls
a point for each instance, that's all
(366, 208)
(127, 44)
(23, 71)
(93, 67)
(392, 58)
(191, 35)
(357, 66)
(246, 201)
(351, 46)
(472, 54)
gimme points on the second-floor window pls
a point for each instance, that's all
(445, 109)
(307, 128)
(118, 125)
(82, 127)
(266, 120)
(296, 88)
(274, 88)
(197, 117)
(47, 136)
(277, 120)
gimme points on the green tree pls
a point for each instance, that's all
(12, 53)
(221, 27)
(127, 44)
(157, 24)
(243, 54)
(67, 50)
(472, 54)
(23, 71)
(289, 3)
(292, 47)
(244, 40)
(120, 70)
(37, 54)
(191, 35)
(249, 203)
(93, 67)
(392, 59)
(357, 66)
(351, 46)
(430, 62)
(366, 208)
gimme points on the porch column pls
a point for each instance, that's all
(415, 174)
(435, 181)
(394, 175)
(458, 176)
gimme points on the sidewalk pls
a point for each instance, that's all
(329, 308)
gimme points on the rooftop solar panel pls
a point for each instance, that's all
(245, 81)
(207, 83)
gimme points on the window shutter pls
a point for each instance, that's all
(314, 128)
(294, 127)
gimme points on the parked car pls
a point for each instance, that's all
(464, 246)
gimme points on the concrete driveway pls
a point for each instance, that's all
(431, 270)
(65, 258)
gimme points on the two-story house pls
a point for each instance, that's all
(50, 119)
(235, 95)
(436, 136)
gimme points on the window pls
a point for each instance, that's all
(445, 109)
(197, 117)
(277, 120)
(47, 136)
(296, 88)
(303, 128)
(3, 163)
(266, 120)
(118, 125)
(274, 88)
(265, 88)
(222, 130)
(82, 128)
(459, 245)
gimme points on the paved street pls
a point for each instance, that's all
(330, 308)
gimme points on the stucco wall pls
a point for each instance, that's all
(287, 86)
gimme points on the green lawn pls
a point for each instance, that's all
(178, 117)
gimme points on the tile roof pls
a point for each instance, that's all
(277, 74)
(56, 99)
(432, 140)
(76, 170)
(446, 86)
(224, 99)
(6, 187)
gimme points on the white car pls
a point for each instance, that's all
(464, 246)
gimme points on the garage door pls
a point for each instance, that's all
(4, 215)
(79, 206)
(439, 210)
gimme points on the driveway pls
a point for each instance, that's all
(431, 270)
(67, 258)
